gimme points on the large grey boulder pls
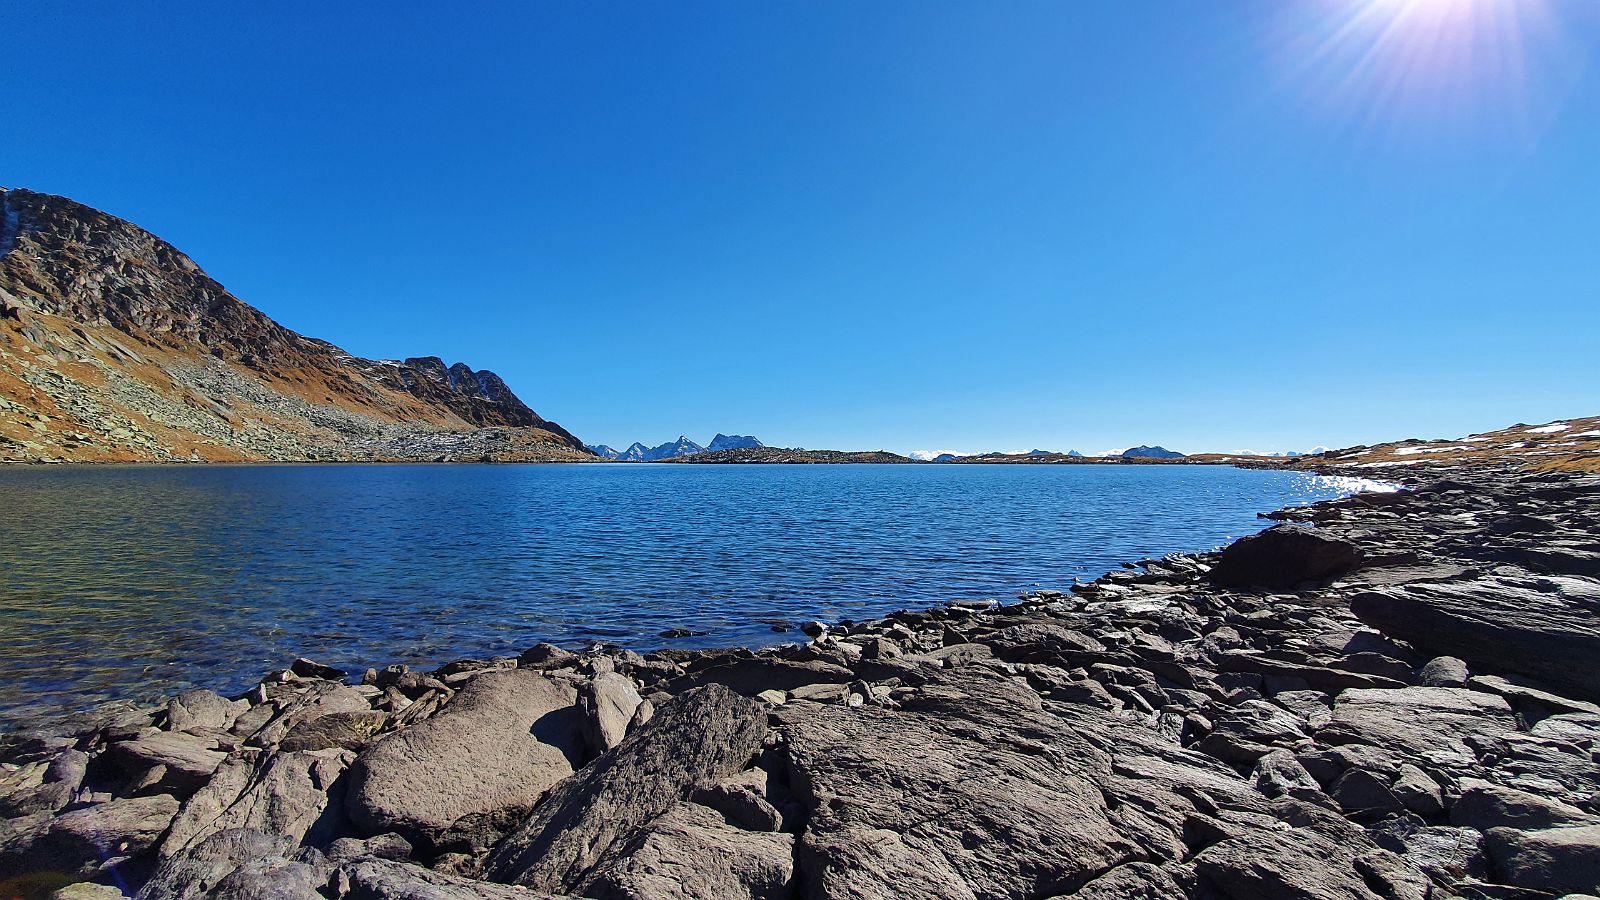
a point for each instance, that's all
(1483, 805)
(295, 795)
(1557, 860)
(1443, 727)
(85, 842)
(1284, 556)
(198, 870)
(692, 853)
(187, 760)
(1496, 626)
(202, 709)
(975, 788)
(504, 740)
(1296, 865)
(695, 739)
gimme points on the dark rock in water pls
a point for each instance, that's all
(500, 744)
(681, 633)
(306, 668)
(1282, 557)
(1495, 626)
(1557, 860)
(597, 815)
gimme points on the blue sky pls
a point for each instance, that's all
(904, 225)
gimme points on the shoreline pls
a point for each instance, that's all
(1185, 728)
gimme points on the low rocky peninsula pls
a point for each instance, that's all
(1387, 696)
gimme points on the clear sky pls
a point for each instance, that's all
(909, 225)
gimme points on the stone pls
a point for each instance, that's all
(87, 890)
(1278, 773)
(1496, 626)
(1361, 792)
(371, 878)
(191, 874)
(1133, 881)
(546, 657)
(88, 841)
(383, 846)
(200, 709)
(1443, 671)
(1282, 557)
(504, 740)
(1297, 865)
(1557, 860)
(1442, 726)
(691, 853)
(319, 699)
(1417, 791)
(58, 782)
(608, 703)
(1484, 805)
(974, 788)
(294, 794)
(306, 668)
(188, 760)
(751, 676)
(342, 730)
(697, 738)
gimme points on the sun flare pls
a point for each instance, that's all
(1411, 60)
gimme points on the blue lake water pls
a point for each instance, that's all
(138, 581)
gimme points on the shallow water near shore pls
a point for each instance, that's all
(135, 582)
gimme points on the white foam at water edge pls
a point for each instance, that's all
(1547, 429)
(1350, 485)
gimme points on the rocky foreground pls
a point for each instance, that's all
(1391, 696)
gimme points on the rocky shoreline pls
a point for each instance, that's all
(1387, 696)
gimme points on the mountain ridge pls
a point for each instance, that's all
(117, 346)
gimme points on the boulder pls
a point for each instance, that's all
(292, 794)
(346, 730)
(504, 740)
(975, 788)
(1556, 860)
(1444, 727)
(608, 703)
(1484, 805)
(695, 739)
(320, 699)
(692, 853)
(200, 709)
(381, 879)
(192, 873)
(85, 842)
(1495, 625)
(1443, 671)
(1282, 557)
(188, 760)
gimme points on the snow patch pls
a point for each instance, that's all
(1586, 434)
(1547, 429)
(1406, 451)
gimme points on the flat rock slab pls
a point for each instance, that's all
(1284, 556)
(1496, 626)
(695, 739)
(504, 740)
(973, 789)
(1447, 727)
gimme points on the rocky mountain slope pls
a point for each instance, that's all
(115, 346)
(1388, 697)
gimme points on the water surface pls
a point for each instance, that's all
(138, 581)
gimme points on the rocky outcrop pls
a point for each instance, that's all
(115, 346)
(1164, 732)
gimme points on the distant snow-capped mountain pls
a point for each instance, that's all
(638, 452)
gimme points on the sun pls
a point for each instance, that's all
(1407, 61)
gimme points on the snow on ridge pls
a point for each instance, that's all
(1547, 429)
